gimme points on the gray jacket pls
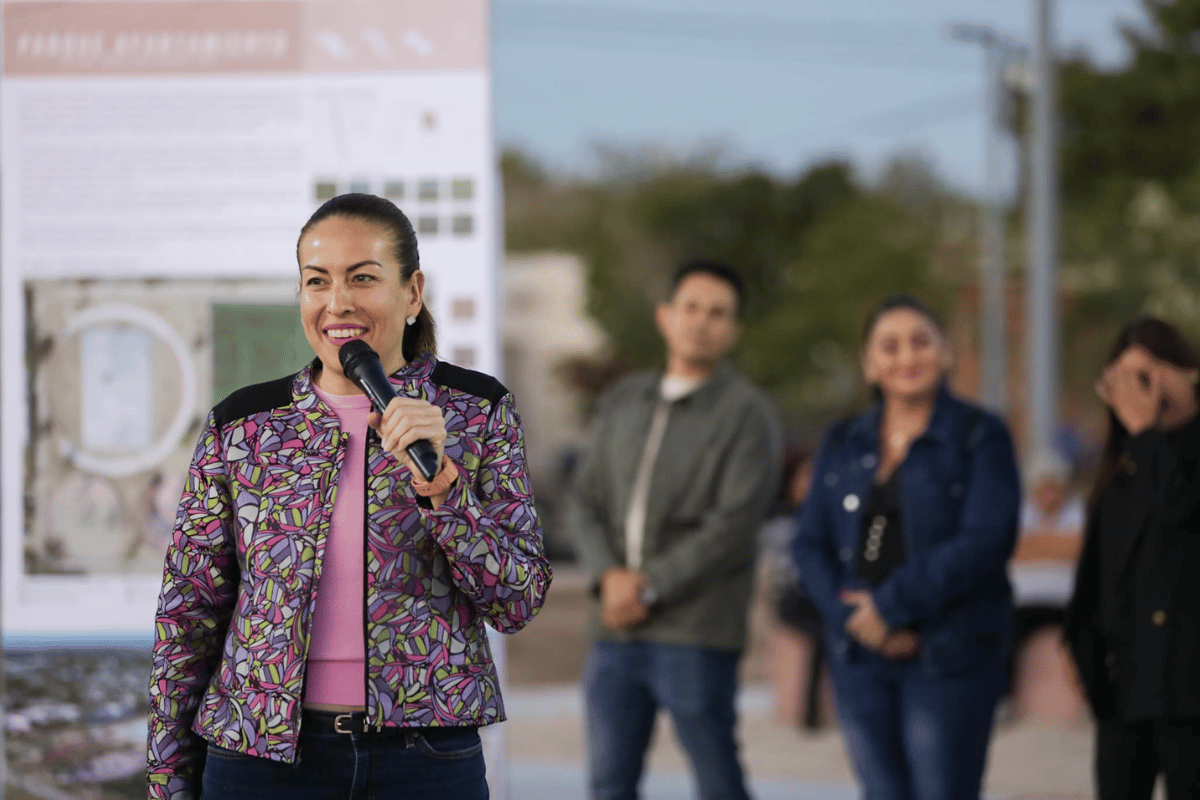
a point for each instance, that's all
(716, 474)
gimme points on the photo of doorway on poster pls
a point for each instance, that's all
(159, 449)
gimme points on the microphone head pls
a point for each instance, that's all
(353, 352)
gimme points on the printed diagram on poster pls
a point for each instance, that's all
(160, 158)
(117, 396)
(118, 389)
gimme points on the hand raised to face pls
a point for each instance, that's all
(1132, 387)
(1146, 392)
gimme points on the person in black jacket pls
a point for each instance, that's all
(1133, 624)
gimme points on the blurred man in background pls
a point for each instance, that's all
(667, 505)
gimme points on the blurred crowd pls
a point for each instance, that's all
(922, 582)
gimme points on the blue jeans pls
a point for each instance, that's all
(912, 735)
(625, 685)
(403, 766)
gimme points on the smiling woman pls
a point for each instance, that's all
(359, 264)
(352, 288)
(903, 542)
(323, 608)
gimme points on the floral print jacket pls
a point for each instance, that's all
(242, 571)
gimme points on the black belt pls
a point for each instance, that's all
(348, 722)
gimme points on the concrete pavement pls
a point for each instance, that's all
(1028, 761)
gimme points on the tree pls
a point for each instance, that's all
(816, 250)
(1131, 185)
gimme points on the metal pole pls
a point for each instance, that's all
(1041, 273)
(993, 319)
(993, 356)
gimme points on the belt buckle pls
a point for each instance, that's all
(337, 723)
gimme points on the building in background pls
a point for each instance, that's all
(544, 328)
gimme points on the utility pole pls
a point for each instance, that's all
(1041, 280)
(998, 54)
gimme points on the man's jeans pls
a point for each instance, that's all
(916, 736)
(625, 685)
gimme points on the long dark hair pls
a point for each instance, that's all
(421, 336)
(897, 302)
(1163, 341)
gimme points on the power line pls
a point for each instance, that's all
(920, 113)
(616, 36)
(807, 56)
(791, 28)
(898, 120)
(836, 38)
(744, 37)
(777, 36)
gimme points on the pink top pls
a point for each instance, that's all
(336, 672)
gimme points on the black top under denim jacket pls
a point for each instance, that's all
(1133, 624)
(881, 548)
(959, 499)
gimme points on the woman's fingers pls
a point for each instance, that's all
(408, 428)
(853, 597)
(1136, 374)
(901, 645)
(405, 421)
(1132, 387)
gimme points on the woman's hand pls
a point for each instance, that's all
(865, 624)
(1132, 386)
(406, 420)
(901, 645)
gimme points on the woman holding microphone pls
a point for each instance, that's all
(320, 630)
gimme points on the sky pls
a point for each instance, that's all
(778, 83)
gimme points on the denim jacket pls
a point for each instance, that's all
(244, 565)
(959, 505)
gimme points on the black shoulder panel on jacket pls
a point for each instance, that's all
(469, 381)
(252, 399)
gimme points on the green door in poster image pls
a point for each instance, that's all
(253, 343)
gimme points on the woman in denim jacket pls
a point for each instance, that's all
(320, 631)
(903, 544)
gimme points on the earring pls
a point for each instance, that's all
(411, 320)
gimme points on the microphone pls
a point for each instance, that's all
(361, 364)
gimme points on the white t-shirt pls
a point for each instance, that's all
(670, 390)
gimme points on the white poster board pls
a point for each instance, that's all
(160, 156)
(163, 143)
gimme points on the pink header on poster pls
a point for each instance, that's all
(128, 37)
(389, 35)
